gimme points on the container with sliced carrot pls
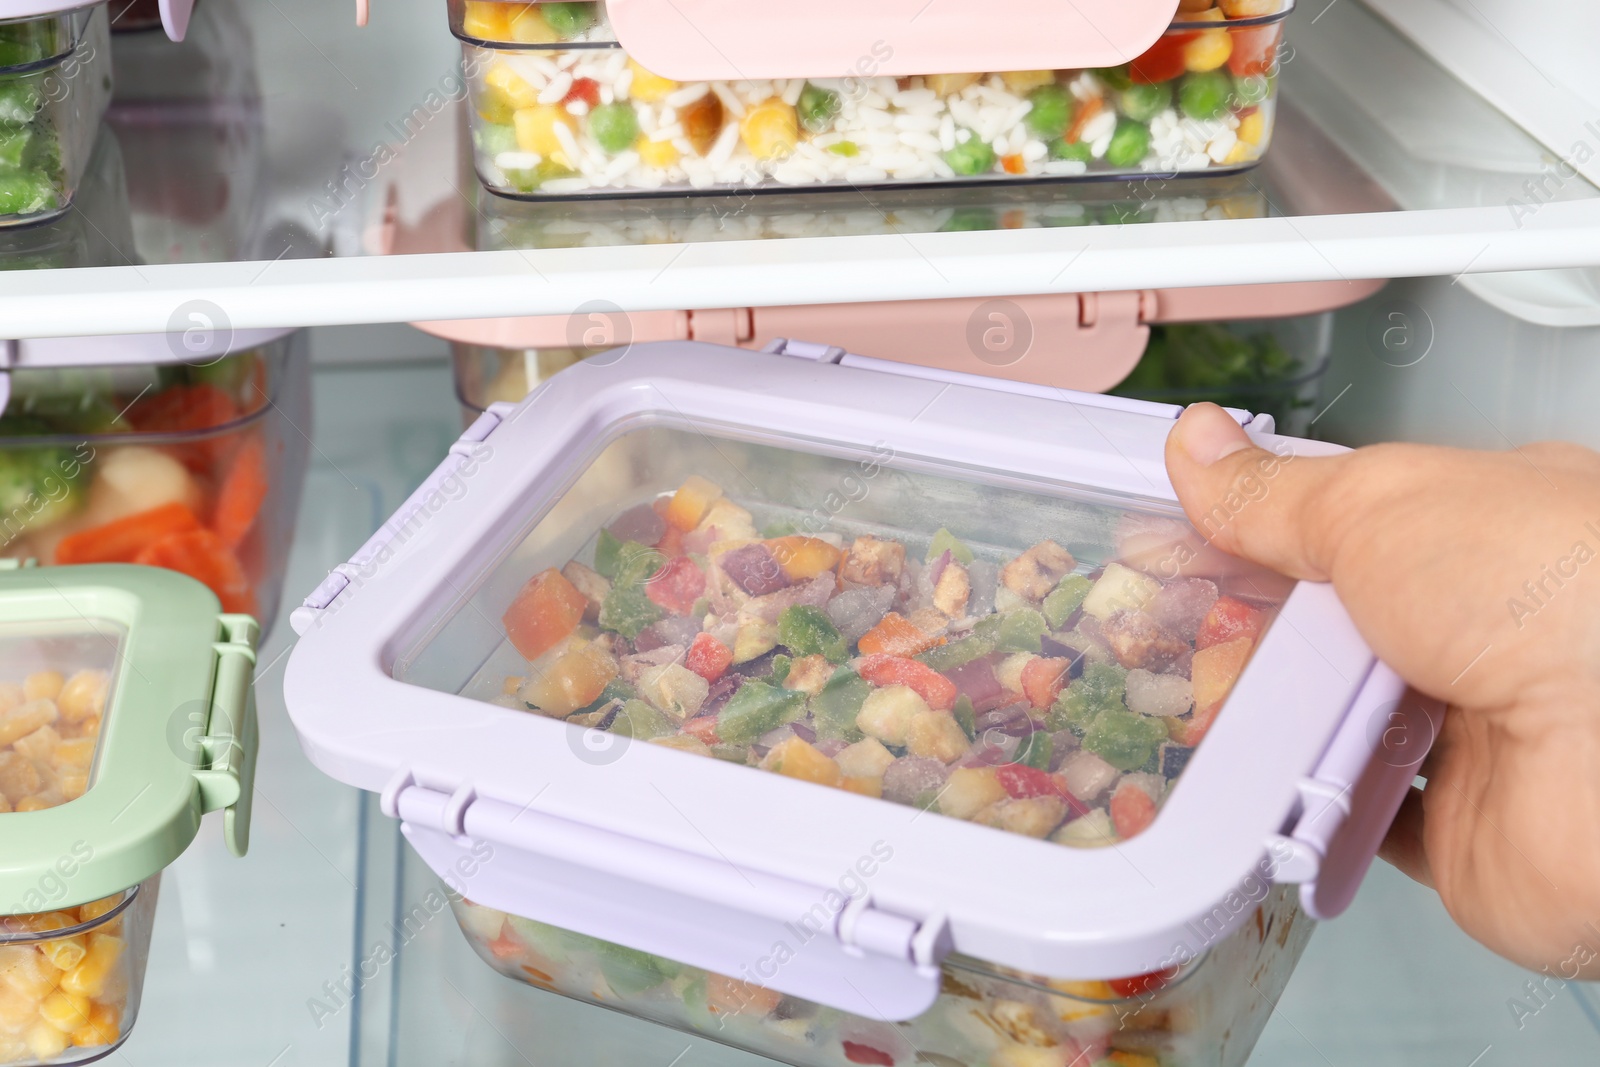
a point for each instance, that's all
(161, 451)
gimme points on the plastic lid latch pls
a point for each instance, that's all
(227, 770)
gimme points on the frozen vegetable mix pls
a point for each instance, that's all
(560, 109)
(1025, 690)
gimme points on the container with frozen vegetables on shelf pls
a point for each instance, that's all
(184, 451)
(626, 96)
(126, 713)
(853, 712)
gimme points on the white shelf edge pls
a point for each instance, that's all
(327, 292)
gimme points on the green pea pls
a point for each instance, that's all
(1074, 150)
(1205, 95)
(818, 107)
(967, 219)
(971, 157)
(1251, 89)
(1144, 102)
(614, 127)
(848, 149)
(1115, 77)
(568, 20)
(1051, 112)
(1129, 144)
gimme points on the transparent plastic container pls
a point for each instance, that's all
(193, 467)
(55, 83)
(98, 231)
(852, 712)
(1210, 1012)
(560, 109)
(85, 736)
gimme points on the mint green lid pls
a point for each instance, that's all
(176, 731)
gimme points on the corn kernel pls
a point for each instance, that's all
(504, 92)
(528, 26)
(84, 694)
(11, 695)
(44, 685)
(536, 130)
(770, 129)
(45, 1041)
(1208, 50)
(39, 745)
(89, 727)
(16, 1010)
(5, 805)
(1253, 127)
(486, 21)
(104, 1027)
(651, 88)
(65, 1011)
(26, 972)
(96, 908)
(37, 802)
(89, 977)
(658, 154)
(24, 719)
(18, 777)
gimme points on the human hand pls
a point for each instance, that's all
(1476, 576)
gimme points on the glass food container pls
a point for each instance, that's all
(127, 714)
(55, 82)
(850, 711)
(118, 451)
(573, 99)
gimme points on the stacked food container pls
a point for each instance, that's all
(634, 96)
(126, 712)
(1042, 768)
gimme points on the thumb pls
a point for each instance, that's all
(1272, 507)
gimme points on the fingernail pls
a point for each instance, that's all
(1208, 433)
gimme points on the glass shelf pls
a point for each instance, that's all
(271, 184)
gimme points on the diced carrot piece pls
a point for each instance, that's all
(676, 586)
(546, 611)
(703, 729)
(708, 657)
(243, 491)
(1043, 678)
(188, 409)
(939, 691)
(1088, 110)
(895, 635)
(1131, 810)
(202, 556)
(1014, 164)
(803, 558)
(121, 541)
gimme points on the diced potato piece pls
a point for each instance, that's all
(89, 977)
(795, 758)
(874, 562)
(1023, 82)
(1035, 573)
(949, 84)
(1030, 816)
(675, 690)
(753, 638)
(684, 743)
(536, 130)
(1119, 589)
(696, 495)
(18, 777)
(43, 685)
(1009, 671)
(26, 972)
(867, 787)
(24, 719)
(866, 758)
(969, 790)
(953, 589)
(809, 674)
(936, 734)
(83, 695)
(65, 1011)
(39, 745)
(732, 522)
(573, 680)
(1093, 830)
(591, 584)
(887, 713)
(134, 478)
(1215, 669)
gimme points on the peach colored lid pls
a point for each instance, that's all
(694, 40)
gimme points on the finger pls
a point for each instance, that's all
(1252, 502)
(1402, 847)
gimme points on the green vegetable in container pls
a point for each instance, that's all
(1189, 362)
(1051, 111)
(818, 107)
(835, 708)
(40, 484)
(568, 20)
(1129, 144)
(971, 156)
(756, 708)
(1206, 94)
(1144, 102)
(614, 126)
(1074, 150)
(20, 99)
(28, 192)
(807, 631)
(1251, 89)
